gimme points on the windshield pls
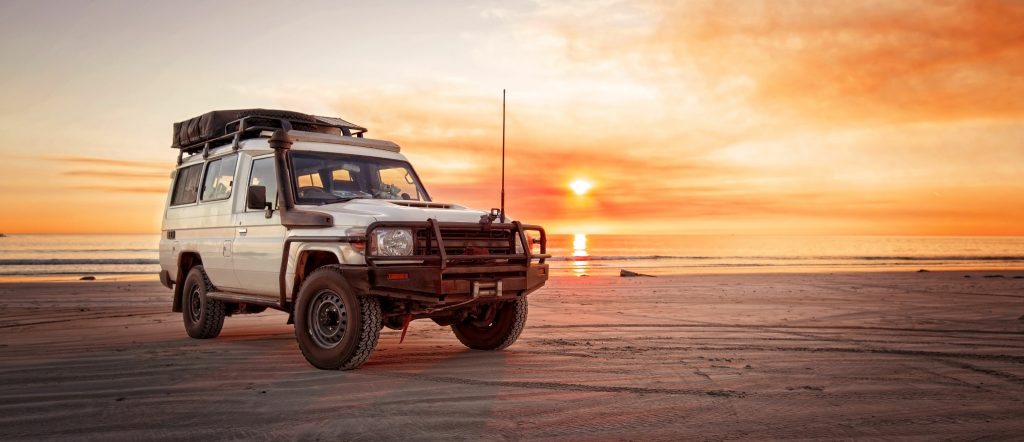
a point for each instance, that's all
(322, 177)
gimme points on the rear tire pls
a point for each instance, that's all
(203, 317)
(508, 324)
(335, 329)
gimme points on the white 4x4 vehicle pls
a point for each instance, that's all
(302, 214)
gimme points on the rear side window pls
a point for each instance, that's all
(186, 185)
(220, 176)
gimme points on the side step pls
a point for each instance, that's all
(245, 299)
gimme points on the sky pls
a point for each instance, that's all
(687, 117)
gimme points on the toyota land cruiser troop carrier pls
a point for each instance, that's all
(301, 213)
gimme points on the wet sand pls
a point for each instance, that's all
(909, 356)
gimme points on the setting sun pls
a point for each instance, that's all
(580, 186)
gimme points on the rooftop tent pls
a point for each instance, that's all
(191, 135)
(202, 128)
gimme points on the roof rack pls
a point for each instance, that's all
(219, 128)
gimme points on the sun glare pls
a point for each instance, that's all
(580, 186)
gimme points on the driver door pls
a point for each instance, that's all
(259, 241)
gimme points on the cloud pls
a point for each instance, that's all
(118, 189)
(830, 61)
(110, 162)
(686, 175)
(117, 174)
(110, 169)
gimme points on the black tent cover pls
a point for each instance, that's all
(190, 133)
(204, 127)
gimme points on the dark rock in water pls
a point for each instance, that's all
(87, 278)
(967, 276)
(628, 274)
(993, 276)
(922, 271)
(1018, 277)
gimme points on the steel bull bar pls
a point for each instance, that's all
(431, 273)
(464, 260)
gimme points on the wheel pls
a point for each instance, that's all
(496, 334)
(336, 329)
(203, 317)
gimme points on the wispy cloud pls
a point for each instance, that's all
(828, 61)
(119, 189)
(111, 162)
(116, 174)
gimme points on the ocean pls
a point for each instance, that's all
(67, 256)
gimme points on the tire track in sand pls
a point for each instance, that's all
(563, 386)
(778, 327)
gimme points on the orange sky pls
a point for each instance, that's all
(817, 117)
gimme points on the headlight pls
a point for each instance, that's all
(393, 242)
(519, 244)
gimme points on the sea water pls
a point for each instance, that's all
(78, 255)
(579, 254)
(608, 254)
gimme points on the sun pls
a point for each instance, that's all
(580, 186)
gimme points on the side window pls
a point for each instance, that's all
(186, 185)
(220, 175)
(397, 183)
(264, 174)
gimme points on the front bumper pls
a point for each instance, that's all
(458, 262)
(441, 286)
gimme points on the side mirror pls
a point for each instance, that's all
(257, 198)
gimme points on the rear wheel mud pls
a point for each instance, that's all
(497, 334)
(203, 317)
(335, 329)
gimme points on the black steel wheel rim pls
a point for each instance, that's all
(195, 303)
(326, 319)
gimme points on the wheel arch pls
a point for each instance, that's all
(186, 260)
(309, 259)
(307, 262)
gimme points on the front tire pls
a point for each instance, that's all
(203, 317)
(508, 324)
(335, 329)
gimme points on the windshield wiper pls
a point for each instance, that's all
(344, 200)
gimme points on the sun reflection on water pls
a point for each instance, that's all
(579, 255)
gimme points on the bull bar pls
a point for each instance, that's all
(485, 261)
(431, 273)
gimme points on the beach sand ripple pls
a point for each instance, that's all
(910, 355)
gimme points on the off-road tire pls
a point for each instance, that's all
(203, 317)
(359, 316)
(507, 326)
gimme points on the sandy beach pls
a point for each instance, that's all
(909, 356)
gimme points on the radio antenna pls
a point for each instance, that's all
(502, 155)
